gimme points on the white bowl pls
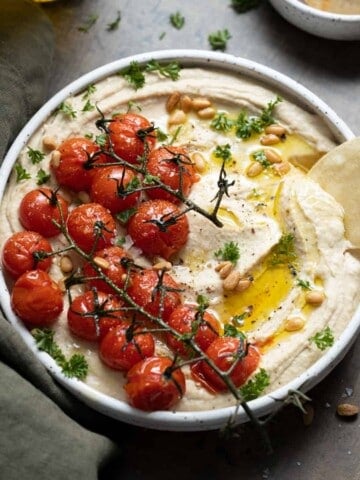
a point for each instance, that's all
(183, 421)
(329, 25)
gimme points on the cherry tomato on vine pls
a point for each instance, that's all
(114, 268)
(124, 346)
(91, 225)
(73, 169)
(36, 299)
(39, 209)
(174, 168)
(92, 314)
(185, 319)
(114, 187)
(225, 352)
(132, 136)
(153, 384)
(149, 291)
(159, 228)
(25, 251)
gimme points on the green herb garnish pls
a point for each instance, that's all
(255, 386)
(115, 24)
(160, 135)
(42, 177)
(134, 75)
(304, 284)
(177, 20)
(90, 89)
(324, 338)
(171, 70)
(125, 215)
(221, 122)
(202, 303)
(246, 125)
(231, 331)
(101, 139)
(241, 6)
(88, 107)
(223, 152)
(259, 156)
(218, 40)
(89, 22)
(35, 155)
(284, 252)
(21, 173)
(230, 252)
(66, 109)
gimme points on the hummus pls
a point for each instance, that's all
(346, 7)
(258, 213)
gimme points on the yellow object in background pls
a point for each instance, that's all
(347, 7)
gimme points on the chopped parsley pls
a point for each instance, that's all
(89, 22)
(255, 386)
(125, 215)
(66, 109)
(115, 24)
(230, 252)
(202, 303)
(76, 366)
(177, 20)
(223, 152)
(21, 173)
(246, 125)
(35, 156)
(134, 75)
(160, 135)
(88, 107)
(231, 331)
(218, 40)
(323, 339)
(259, 156)
(241, 6)
(171, 70)
(304, 284)
(221, 122)
(283, 253)
(42, 177)
(90, 89)
(151, 179)
(101, 139)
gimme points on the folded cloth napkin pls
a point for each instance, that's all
(45, 432)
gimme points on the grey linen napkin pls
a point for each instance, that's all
(45, 432)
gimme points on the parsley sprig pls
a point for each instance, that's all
(134, 73)
(35, 156)
(241, 6)
(323, 339)
(177, 20)
(255, 386)
(230, 252)
(218, 40)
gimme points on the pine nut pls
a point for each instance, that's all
(66, 264)
(49, 142)
(225, 270)
(172, 101)
(200, 103)
(220, 265)
(55, 159)
(185, 103)
(347, 409)
(199, 161)
(314, 298)
(231, 280)
(269, 139)
(101, 262)
(206, 113)
(254, 169)
(294, 324)
(243, 284)
(177, 117)
(282, 168)
(162, 265)
(272, 156)
(83, 197)
(275, 129)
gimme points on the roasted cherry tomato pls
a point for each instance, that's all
(153, 384)
(131, 136)
(39, 209)
(226, 353)
(186, 319)
(114, 187)
(174, 168)
(74, 168)
(92, 314)
(113, 266)
(91, 225)
(124, 346)
(36, 299)
(159, 228)
(25, 251)
(149, 290)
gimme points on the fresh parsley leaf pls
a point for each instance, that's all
(21, 173)
(35, 156)
(132, 185)
(66, 109)
(89, 135)
(230, 252)
(266, 116)
(76, 367)
(101, 139)
(246, 125)
(231, 331)
(283, 252)
(221, 122)
(88, 107)
(241, 6)
(259, 156)
(324, 338)
(218, 40)
(42, 177)
(202, 303)
(90, 89)
(134, 75)
(255, 386)
(223, 152)
(177, 20)
(160, 135)
(115, 24)
(131, 105)
(150, 179)
(304, 284)
(89, 22)
(171, 70)
(125, 215)
(120, 241)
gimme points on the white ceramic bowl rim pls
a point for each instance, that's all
(300, 5)
(167, 420)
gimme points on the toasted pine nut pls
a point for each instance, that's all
(101, 262)
(185, 103)
(83, 197)
(347, 409)
(225, 270)
(172, 101)
(206, 113)
(254, 169)
(275, 129)
(314, 297)
(269, 139)
(293, 324)
(199, 161)
(243, 284)
(282, 168)
(49, 142)
(162, 265)
(272, 156)
(231, 280)
(55, 158)
(220, 265)
(177, 117)
(200, 103)
(66, 264)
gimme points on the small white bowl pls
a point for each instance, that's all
(329, 25)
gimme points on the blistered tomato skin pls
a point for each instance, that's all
(36, 299)
(131, 136)
(123, 347)
(73, 170)
(173, 167)
(40, 208)
(158, 228)
(23, 251)
(153, 384)
(91, 225)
